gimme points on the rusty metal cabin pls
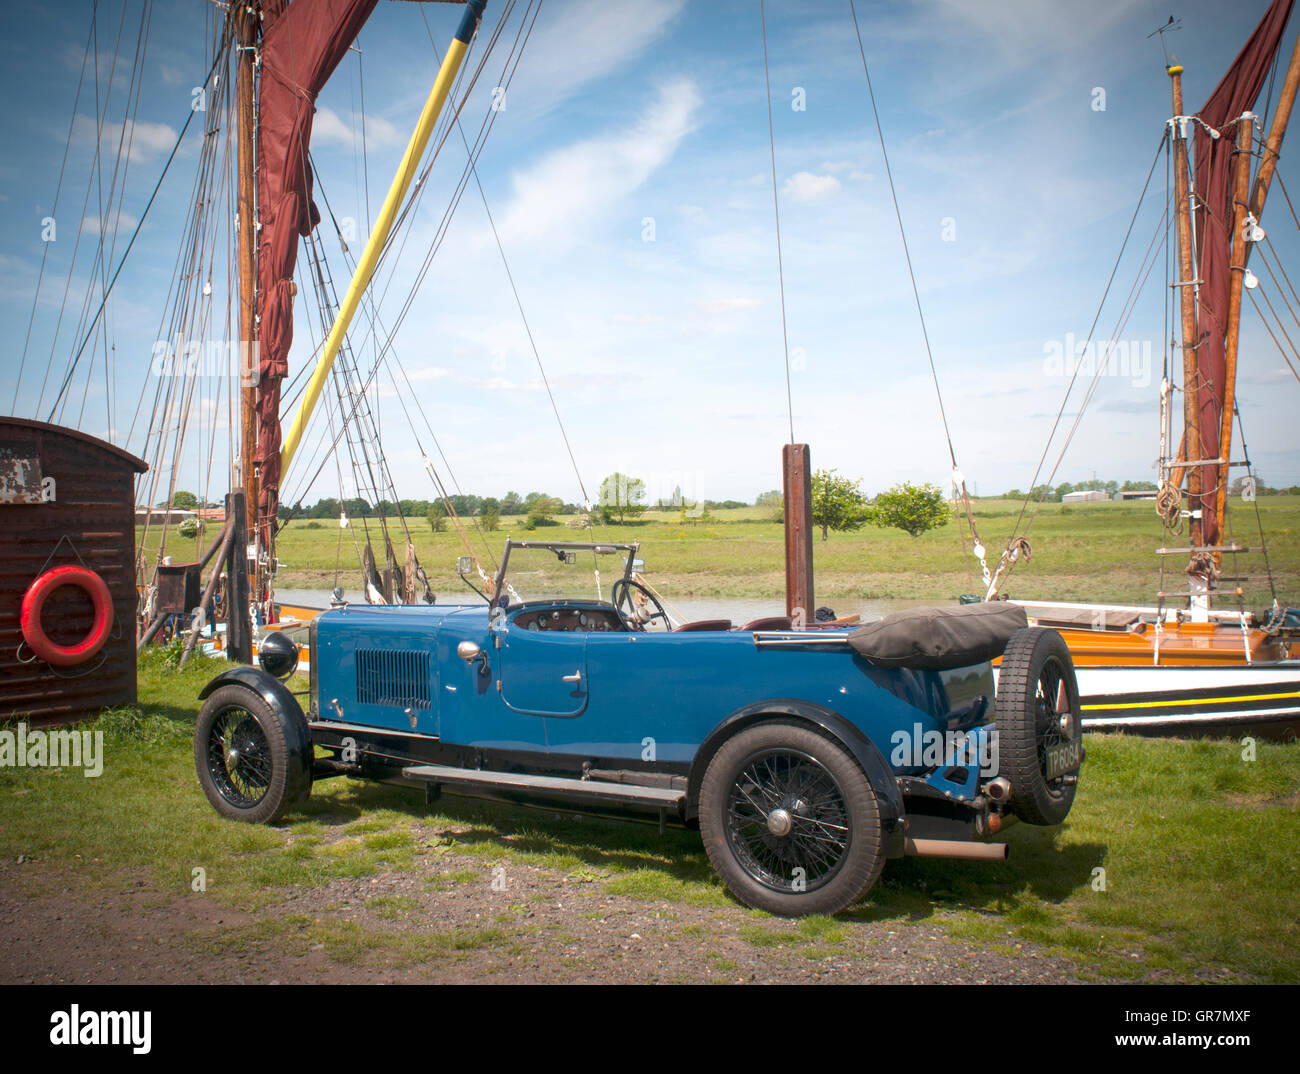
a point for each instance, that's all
(66, 499)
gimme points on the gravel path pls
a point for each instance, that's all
(452, 925)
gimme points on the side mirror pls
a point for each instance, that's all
(464, 565)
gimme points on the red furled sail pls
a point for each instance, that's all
(1235, 94)
(302, 42)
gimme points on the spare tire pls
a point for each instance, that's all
(1040, 732)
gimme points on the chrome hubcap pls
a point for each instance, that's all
(779, 822)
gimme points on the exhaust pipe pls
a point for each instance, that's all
(956, 848)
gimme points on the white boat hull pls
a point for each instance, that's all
(1174, 700)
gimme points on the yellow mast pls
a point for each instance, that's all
(451, 63)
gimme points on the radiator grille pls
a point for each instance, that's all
(397, 677)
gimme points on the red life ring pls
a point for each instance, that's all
(34, 603)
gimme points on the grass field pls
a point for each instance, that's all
(1094, 551)
(1199, 851)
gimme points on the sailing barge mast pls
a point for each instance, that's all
(285, 54)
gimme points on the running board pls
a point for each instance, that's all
(576, 790)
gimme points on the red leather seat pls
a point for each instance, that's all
(771, 622)
(704, 624)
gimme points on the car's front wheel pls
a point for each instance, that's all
(244, 760)
(790, 821)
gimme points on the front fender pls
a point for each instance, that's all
(864, 751)
(280, 698)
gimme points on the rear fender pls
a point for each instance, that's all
(864, 751)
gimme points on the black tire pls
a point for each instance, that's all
(1032, 733)
(832, 820)
(243, 757)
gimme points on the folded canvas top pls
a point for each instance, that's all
(938, 638)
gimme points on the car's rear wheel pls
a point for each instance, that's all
(1040, 733)
(245, 764)
(790, 821)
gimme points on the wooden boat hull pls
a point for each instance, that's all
(1184, 680)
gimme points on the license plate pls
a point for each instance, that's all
(1062, 759)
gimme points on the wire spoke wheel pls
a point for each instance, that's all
(239, 758)
(253, 758)
(787, 821)
(790, 820)
(1047, 718)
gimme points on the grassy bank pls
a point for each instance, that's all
(1200, 851)
(1093, 551)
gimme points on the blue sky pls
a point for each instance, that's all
(666, 356)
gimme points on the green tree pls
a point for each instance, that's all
(622, 496)
(512, 504)
(437, 516)
(490, 519)
(837, 503)
(542, 511)
(185, 501)
(911, 508)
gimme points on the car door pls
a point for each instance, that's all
(543, 673)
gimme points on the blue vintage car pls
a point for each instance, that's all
(805, 756)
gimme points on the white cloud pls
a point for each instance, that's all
(729, 305)
(575, 185)
(432, 372)
(147, 141)
(579, 42)
(124, 222)
(805, 186)
(328, 128)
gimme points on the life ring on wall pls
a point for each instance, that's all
(34, 604)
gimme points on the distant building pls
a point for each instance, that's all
(1138, 494)
(1083, 496)
(158, 515)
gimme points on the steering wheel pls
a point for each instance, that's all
(642, 606)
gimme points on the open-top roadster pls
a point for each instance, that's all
(805, 756)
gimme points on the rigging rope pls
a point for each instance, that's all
(776, 213)
(1007, 558)
(958, 479)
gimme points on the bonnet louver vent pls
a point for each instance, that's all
(397, 677)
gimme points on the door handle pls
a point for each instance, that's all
(576, 677)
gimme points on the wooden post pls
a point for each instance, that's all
(408, 575)
(796, 468)
(227, 539)
(239, 630)
(1187, 295)
(1237, 260)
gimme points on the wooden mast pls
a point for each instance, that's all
(1190, 335)
(1237, 261)
(1276, 132)
(245, 16)
(1258, 193)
